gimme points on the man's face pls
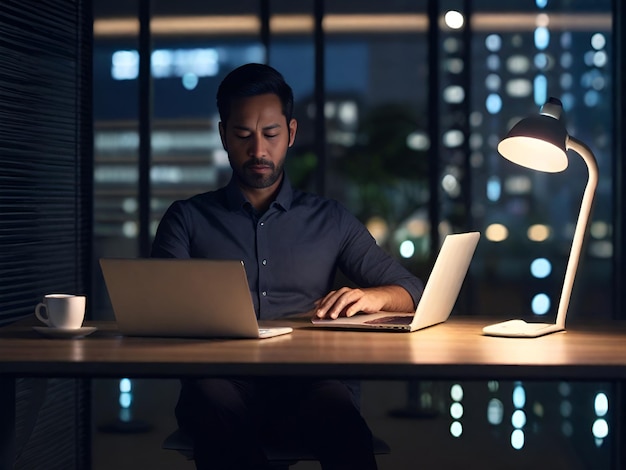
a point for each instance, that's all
(256, 138)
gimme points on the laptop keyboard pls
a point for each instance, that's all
(397, 320)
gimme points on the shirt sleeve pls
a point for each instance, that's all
(173, 234)
(365, 263)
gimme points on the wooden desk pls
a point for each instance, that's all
(455, 350)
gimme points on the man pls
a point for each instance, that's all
(291, 244)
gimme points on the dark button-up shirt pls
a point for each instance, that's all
(290, 253)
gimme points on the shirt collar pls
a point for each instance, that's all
(236, 199)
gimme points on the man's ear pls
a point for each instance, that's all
(293, 127)
(220, 126)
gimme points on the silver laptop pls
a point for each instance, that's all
(182, 298)
(438, 299)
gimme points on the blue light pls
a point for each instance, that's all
(541, 3)
(540, 268)
(601, 404)
(517, 439)
(519, 396)
(542, 38)
(540, 304)
(493, 62)
(540, 87)
(407, 249)
(168, 63)
(495, 411)
(456, 429)
(598, 41)
(125, 385)
(190, 81)
(591, 98)
(493, 42)
(125, 400)
(518, 420)
(456, 410)
(125, 415)
(456, 392)
(494, 188)
(600, 428)
(125, 65)
(493, 103)
(568, 101)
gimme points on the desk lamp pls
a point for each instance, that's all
(540, 142)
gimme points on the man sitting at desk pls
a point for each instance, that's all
(291, 244)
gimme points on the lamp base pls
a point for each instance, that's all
(521, 329)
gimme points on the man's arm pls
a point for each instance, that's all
(172, 238)
(383, 283)
(348, 302)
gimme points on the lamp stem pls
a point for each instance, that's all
(581, 225)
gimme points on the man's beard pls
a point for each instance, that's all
(253, 180)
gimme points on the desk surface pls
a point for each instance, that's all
(454, 350)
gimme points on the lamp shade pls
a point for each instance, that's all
(538, 142)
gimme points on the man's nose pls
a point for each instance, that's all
(257, 147)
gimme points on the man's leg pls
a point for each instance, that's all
(218, 414)
(332, 425)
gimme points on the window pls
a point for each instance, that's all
(400, 108)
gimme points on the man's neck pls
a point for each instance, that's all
(261, 198)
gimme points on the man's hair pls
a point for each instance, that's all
(253, 80)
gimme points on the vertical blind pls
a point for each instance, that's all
(45, 153)
(45, 204)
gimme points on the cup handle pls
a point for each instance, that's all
(39, 315)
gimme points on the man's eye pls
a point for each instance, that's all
(271, 136)
(242, 136)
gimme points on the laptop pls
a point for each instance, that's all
(196, 298)
(438, 299)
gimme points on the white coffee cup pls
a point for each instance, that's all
(61, 311)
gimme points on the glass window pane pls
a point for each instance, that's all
(116, 140)
(292, 53)
(195, 44)
(377, 127)
(519, 59)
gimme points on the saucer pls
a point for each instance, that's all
(65, 332)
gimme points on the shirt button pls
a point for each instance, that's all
(261, 224)
(264, 262)
(263, 293)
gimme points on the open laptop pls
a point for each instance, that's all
(438, 299)
(197, 298)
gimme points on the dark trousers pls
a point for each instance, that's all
(230, 419)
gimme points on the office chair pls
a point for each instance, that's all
(280, 458)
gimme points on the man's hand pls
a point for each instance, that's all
(347, 302)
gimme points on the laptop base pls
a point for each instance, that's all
(274, 331)
(358, 323)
